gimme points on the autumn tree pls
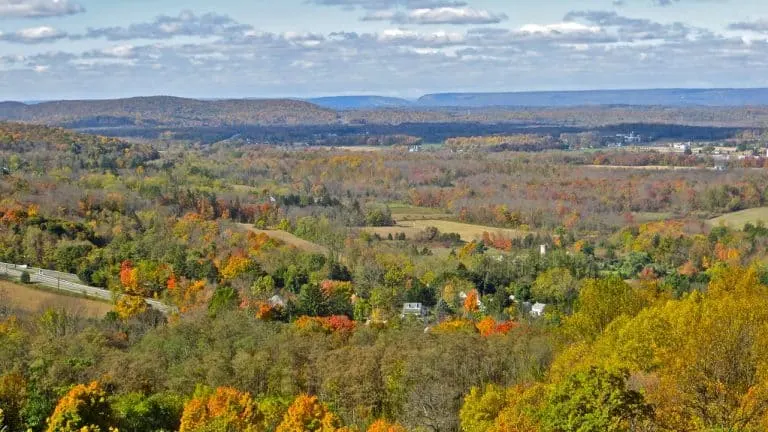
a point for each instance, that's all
(224, 409)
(385, 426)
(83, 408)
(481, 407)
(472, 302)
(555, 285)
(13, 398)
(595, 401)
(308, 414)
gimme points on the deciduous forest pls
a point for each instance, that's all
(506, 283)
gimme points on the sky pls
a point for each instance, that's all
(94, 49)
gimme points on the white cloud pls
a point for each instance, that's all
(390, 4)
(168, 27)
(34, 35)
(562, 28)
(38, 8)
(585, 49)
(441, 15)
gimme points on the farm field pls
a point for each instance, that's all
(642, 217)
(290, 239)
(468, 232)
(738, 219)
(35, 300)
(404, 212)
(648, 167)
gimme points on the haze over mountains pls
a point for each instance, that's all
(653, 97)
(699, 107)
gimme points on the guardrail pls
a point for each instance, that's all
(64, 282)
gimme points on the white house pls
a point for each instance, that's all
(537, 309)
(414, 309)
(277, 301)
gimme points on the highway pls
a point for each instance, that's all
(68, 282)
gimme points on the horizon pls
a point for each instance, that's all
(359, 95)
(107, 49)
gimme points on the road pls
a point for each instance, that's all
(66, 282)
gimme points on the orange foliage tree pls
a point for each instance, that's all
(385, 426)
(333, 324)
(225, 408)
(471, 303)
(132, 303)
(188, 295)
(308, 414)
(83, 408)
(488, 327)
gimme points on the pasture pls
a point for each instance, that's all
(290, 239)
(31, 299)
(468, 232)
(738, 219)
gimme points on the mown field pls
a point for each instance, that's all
(405, 212)
(738, 219)
(33, 300)
(290, 239)
(468, 232)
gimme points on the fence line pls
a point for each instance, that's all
(64, 282)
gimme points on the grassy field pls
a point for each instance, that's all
(467, 232)
(290, 239)
(647, 167)
(405, 212)
(30, 299)
(643, 217)
(738, 219)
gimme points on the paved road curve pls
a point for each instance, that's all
(66, 282)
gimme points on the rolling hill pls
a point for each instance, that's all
(159, 111)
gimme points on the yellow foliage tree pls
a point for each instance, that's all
(385, 426)
(83, 408)
(129, 306)
(225, 409)
(235, 266)
(702, 361)
(308, 414)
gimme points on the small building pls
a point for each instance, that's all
(543, 250)
(414, 309)
(277, 301)
(537, 309)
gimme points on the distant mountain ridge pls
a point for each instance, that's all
(685, 106)
(157, 111)
(359, 102)
(651, 97)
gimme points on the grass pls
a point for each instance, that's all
(405, 212)
(30, 298)
(290, 239)
(740, 218)
(642, 217)
(467, 232)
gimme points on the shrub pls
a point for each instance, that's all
(26, 278)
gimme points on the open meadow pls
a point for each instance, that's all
(468, 232)
(34, 300)
(738, 219)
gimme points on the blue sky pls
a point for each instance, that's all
(54, 49)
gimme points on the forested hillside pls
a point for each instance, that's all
(321, 289)
(167, 111)
(158, 113)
